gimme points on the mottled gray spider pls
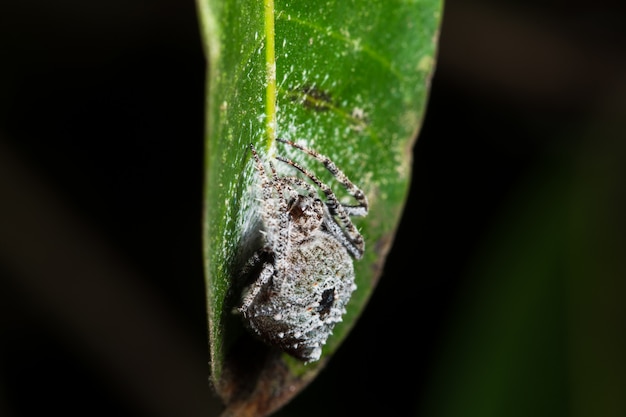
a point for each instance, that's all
(305, 272)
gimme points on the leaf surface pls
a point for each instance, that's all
(348, 79)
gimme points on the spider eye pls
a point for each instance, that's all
(328, 296)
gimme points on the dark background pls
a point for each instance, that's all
(502, 294)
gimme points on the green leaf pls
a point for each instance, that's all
(348, 79)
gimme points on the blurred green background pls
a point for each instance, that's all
(502, 295)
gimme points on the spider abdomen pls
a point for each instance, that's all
(301, 305)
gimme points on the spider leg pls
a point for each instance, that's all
(265, 180)
(267, 272)
(354, 248)
(335, 208)
(252, 263)
(298, 182)
(358, 210)
(275, 211)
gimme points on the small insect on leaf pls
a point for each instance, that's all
(305, 272)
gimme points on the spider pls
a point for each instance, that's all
(304, 275)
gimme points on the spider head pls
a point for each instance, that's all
(306, 214)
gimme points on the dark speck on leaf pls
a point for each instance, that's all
(313, 98)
